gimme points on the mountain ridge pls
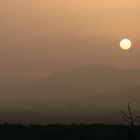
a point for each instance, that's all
(95, 79)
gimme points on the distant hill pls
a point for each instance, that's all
(96, 79)
(95, 93)
(108, 101)
(95, 108)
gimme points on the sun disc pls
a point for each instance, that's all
(125, 44)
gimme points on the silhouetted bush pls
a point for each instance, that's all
(66, 132)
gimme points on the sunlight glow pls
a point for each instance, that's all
(125, 44)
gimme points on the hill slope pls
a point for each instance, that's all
(96, 79)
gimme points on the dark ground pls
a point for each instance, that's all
(68, 132)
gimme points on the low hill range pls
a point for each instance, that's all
(97, 88)
(85, 81)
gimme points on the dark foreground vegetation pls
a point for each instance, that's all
(69, 132)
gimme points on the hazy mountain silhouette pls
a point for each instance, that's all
(95, 108)
(92, 93)
(115, 100)
(96, 79)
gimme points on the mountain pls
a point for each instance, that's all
(109, 101)
(95, 108)
(96, 79)
(88, 94)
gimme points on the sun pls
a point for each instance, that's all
(125, 44)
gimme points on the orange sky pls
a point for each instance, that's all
(39, 37)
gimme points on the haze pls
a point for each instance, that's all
(40, 37)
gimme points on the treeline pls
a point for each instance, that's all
(67, 132)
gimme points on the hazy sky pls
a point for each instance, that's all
(39, 37)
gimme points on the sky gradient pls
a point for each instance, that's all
(40, 37)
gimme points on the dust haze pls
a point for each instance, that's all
(38, 38)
